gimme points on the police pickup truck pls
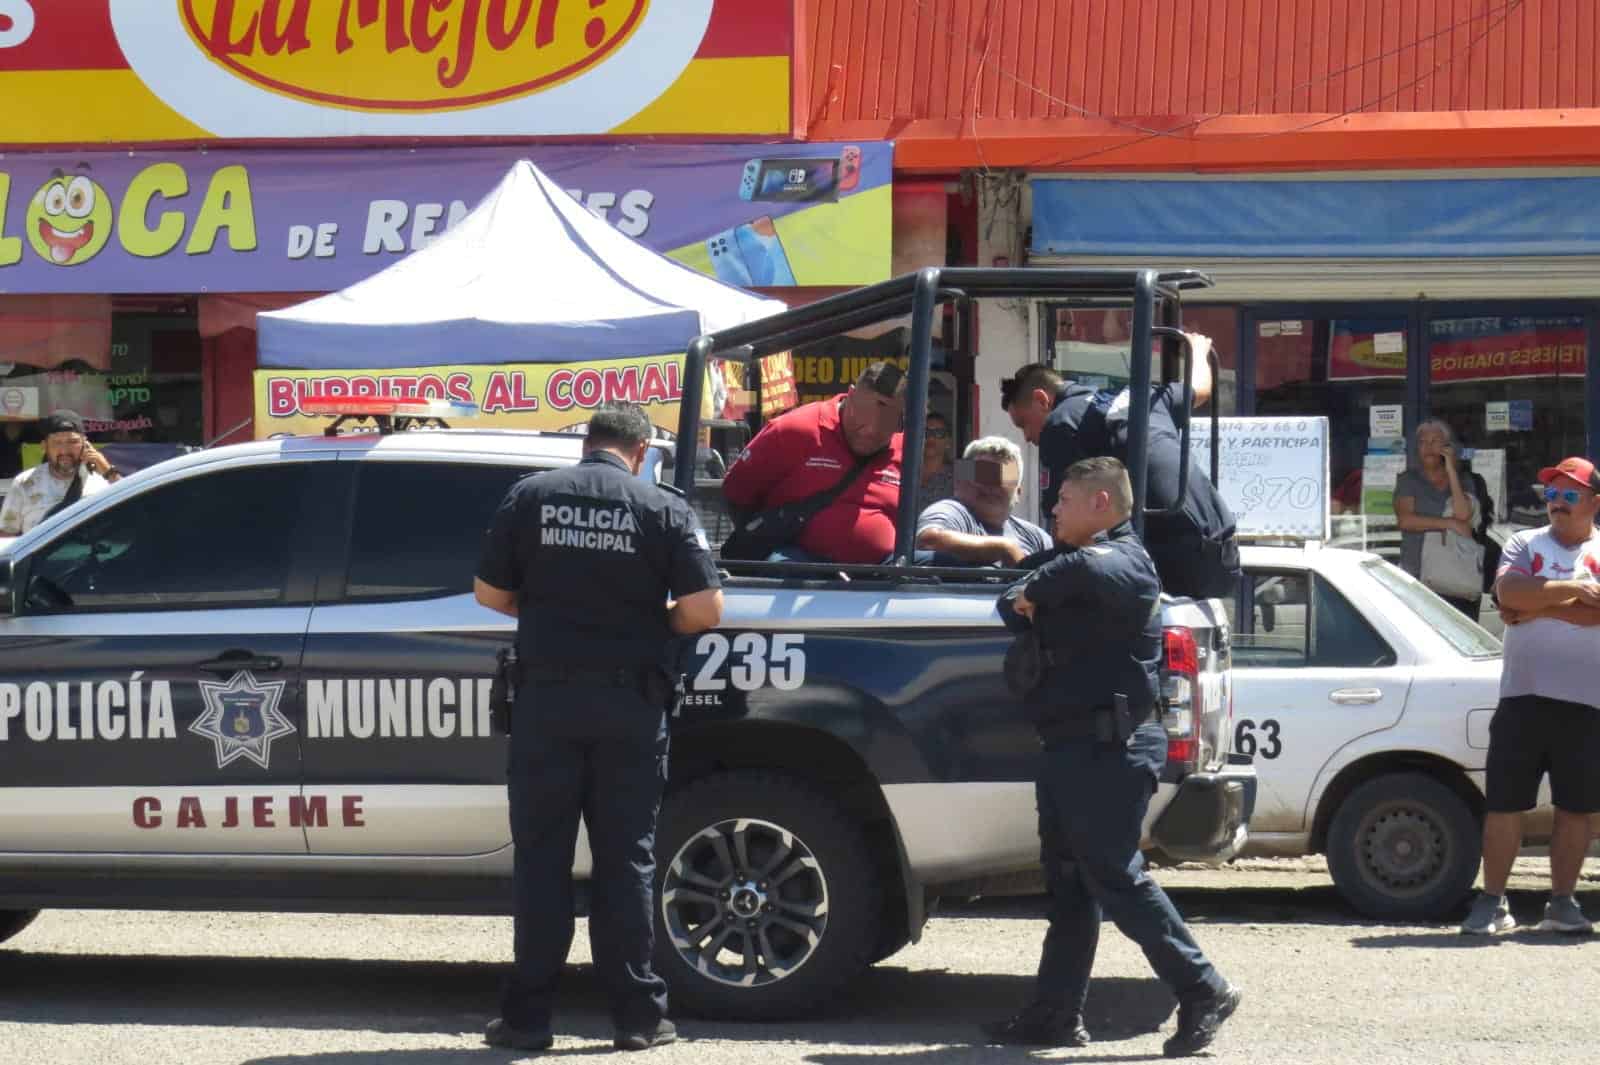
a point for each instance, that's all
(255, 678)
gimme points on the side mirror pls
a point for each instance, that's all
(5, 588)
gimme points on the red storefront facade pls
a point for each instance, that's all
(1394, 196)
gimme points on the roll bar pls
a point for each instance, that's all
(920, 295)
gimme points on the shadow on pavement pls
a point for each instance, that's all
(1314, 904)
(432, 1056)
(1526, 906)
(1450, 939)
(959, 1054)
(888, 1006)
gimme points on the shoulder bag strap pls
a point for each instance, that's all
(74, 493)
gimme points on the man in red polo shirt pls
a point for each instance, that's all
(808, 451)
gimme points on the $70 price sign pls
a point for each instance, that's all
(1297, 493)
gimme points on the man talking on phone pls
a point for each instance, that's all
(72, 469)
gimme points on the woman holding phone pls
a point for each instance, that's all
(1437, 507)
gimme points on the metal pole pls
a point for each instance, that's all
(924, 304)
(1139, 391)
(693, 390)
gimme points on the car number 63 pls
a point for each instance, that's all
(1244, 739)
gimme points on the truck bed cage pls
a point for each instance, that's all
(1154, 296)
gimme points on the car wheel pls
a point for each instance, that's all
(14, 921)
(768, 901)
(1404, 847)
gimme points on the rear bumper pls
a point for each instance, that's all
(1207, 821)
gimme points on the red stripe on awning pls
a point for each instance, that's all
(748, 28)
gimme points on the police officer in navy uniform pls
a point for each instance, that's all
(603, 572)
(1093, 606)
(1192, 540)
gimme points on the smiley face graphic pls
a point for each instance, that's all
(69, 219)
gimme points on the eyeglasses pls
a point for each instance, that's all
(938, 434)
(1570, 496)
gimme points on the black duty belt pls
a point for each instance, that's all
(1084, 724)
(598, 676)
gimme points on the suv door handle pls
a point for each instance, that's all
(233, 661)
(1356, 696)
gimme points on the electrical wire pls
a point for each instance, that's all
(1504, 12)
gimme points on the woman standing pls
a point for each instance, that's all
(1434, 503)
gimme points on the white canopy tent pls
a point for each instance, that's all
(528, 276)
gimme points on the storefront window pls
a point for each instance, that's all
(134, 377)
(1353, 371)
(1090, 344)
(1511, 388)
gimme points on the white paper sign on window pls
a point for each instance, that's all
(1273, 473)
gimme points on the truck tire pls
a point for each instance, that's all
(14, 921)
(767, 900)
(1404, 846)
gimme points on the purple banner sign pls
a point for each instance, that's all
(304, 221)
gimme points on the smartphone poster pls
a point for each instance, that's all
(288, 220)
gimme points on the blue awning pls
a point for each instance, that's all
(1403, 218)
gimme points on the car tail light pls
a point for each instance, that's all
(1185, 699)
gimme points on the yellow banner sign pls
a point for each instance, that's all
(548, 396)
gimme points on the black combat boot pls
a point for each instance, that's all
(659, 1034)
(501, 1034)
(1198, 1022)
(1039, 1025)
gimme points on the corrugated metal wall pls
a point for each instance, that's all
(878, 60)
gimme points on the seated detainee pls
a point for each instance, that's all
(977, 528)
(806, 452)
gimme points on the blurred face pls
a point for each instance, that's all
(936, 445)
(988, 487)
(869, 419)
(1029, 412)
(1431, 444)
(63, 451)
(1082, 509)
(1572, 522)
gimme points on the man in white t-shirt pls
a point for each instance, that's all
(71, 469)
(1548, 720)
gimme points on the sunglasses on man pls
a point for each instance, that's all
(1570, 496)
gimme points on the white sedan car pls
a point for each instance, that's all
(1365, 700)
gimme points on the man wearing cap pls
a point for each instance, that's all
(1548, 720)
(850, 445)
(977, 528)
(72, 469)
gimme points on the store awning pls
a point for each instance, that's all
(1350, 218)
(529, 276)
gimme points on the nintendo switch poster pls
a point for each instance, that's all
(753, 215)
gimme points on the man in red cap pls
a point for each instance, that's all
(1548, 720)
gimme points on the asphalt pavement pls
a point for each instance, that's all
(1321, 986)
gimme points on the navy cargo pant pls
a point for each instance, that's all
(599, 750)
(1092, 801)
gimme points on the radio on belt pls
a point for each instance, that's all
(388, 414)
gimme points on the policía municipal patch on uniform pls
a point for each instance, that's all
(242, 718)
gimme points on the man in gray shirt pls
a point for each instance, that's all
(977, 528)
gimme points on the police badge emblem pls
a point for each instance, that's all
(242, 718)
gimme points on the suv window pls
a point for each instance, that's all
(214, 540)
(1298, 619)
(419, 527)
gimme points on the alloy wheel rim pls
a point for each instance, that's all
(744, 902)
